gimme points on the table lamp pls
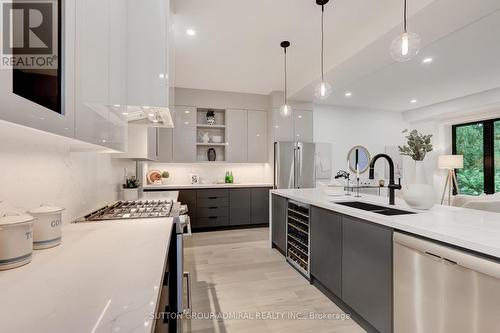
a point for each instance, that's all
(450, 163)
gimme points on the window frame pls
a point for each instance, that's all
(488, 151)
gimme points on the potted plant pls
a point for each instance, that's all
(419, 194)
(131, 189)
(164, 177)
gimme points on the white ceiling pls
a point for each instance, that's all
(237, 43)
(465, 49)
(237, 49)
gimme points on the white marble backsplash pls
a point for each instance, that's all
(37, 168)
(180, 174)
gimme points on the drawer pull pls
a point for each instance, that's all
(213, 207)
(212, 198)
(212, 217)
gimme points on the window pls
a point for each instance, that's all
(479, 143)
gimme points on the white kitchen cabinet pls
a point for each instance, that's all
(282, 127)
(20, 110)
(142, 143)
(303, 125)
(148, 34)
(101, 95)
(165, 145)
(236, 136)
(257, 136)
(297, 127)
(184, 134)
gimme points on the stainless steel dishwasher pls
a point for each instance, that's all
(438, 289)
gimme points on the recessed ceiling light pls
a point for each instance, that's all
(348, 94)
(413, 101)
(146, 107)
(155, 121)
(117, 105)
(191, 32)
(125, 113)
(151, 114)
(427, 60)
(300, 117)
(187, 112)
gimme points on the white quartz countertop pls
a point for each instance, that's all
(104, 277)
(470, 229)
(203, 186)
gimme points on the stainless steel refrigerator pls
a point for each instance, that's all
(298, 164)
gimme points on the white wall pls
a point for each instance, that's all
(180, 174)
(345, 128)
(220, 99)
(36, 168)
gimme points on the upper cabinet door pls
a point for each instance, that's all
(257, 136)
(236, 136)
(152, 139)
(184, 143)
(282, 127)
(92, 71)
(303, 125)
(36, 86)
(100, 72)
(165, 145)
(148, 52)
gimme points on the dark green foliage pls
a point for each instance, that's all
(469, 142)
(131, 182)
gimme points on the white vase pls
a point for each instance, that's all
(419, 194)
(130, 194)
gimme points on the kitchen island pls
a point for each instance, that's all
(348, 253)
(104, 277)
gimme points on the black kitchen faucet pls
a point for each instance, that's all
(392, 185)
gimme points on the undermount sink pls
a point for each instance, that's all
(374, 208)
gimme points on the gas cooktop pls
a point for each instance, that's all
(138, 209)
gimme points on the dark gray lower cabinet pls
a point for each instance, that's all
(240, 206)
(326, 249)
(279, 209)
(260, 205)
(367, 271)
(212, 208)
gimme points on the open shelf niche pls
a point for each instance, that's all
(218, 129)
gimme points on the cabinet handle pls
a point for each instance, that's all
(212, 217)
(212, 198)
(187, 276)
(212, 207)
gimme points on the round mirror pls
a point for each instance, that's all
(360, 157)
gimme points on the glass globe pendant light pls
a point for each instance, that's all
(407, 45)
(285, 109)
(323, 90)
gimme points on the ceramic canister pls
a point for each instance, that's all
(47, 230)
(16, 240)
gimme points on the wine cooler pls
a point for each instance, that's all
(297, 237)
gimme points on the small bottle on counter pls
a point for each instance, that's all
(226, 179)
(231, 179)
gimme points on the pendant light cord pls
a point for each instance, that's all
(405, 14)
(285, 79)
(322, 43)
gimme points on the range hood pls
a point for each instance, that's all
(149, 116)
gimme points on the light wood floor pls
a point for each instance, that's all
(236, 271)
